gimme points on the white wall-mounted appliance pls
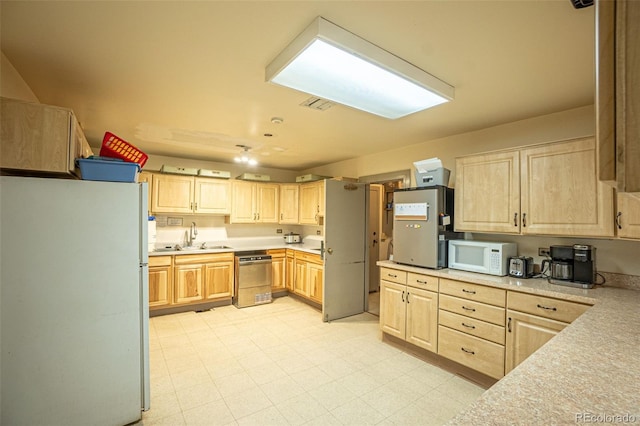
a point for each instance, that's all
(481, 256)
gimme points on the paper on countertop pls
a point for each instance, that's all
(424, 166)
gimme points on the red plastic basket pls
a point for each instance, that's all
(114, 147)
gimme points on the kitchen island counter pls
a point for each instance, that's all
(588, 373)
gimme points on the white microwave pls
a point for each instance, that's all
(481, 256)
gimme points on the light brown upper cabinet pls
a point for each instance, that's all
(312, 203)
(487, 192)
(548, 189)
(618, 93)
(41, 138)
(289, 196)
(190, 195)
(628, 216)
(254, 202)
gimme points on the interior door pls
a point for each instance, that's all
(345, 245)
(373, 236)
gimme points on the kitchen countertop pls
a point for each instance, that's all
(588, 373)
(308, 248)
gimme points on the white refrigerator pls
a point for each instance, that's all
(74, 302)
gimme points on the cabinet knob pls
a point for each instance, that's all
(524, 220)
(515, 219)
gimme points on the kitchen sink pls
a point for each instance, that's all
(178, 247)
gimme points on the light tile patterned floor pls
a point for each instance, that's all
(279, 364)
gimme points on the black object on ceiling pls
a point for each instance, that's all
(579, 4)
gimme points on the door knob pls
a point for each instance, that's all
(330, 250)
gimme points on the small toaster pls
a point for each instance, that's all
(520, 266)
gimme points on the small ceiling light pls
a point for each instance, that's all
(277, 120)
(328, 61)
(244, 157)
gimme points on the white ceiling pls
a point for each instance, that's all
(186, 79)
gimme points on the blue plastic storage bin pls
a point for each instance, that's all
(106, 170)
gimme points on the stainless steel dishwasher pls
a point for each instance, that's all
(253, 279)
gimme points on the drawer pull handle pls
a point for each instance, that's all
(403, 296)
(548, 308)
(509, 325)
(468, 309)
(408, 297)
(524, 220)
(468, 351)
(421, 282)
(469, 291)
(469, 326)
(515, 219)
(392, 275)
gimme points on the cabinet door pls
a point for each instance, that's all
(301, 283)
(243, 202)
(172, 194)
(526, 334)
(278, 272)
(422, 318)
(315, 277)
(212, 196)
(561, 193)
(289, 203)
(188, 283)
(148, 178)
(393, 309)
(268, 207)
(290, 273)
(487, 195)
(628, 217)
(218, 280)
(159, 286)
(309, 207)
(35, 137)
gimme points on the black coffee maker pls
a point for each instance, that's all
(573, 265)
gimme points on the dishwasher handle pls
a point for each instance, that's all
(254, 260)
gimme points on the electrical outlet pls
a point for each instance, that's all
(318, 232)
(278, 231)
(542, 251)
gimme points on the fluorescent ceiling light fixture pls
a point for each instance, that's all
(330, 62)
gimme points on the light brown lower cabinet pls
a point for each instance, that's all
(532, 321)
(409, 313)
(308, 280)
(278, 268)
(526, 334)
(476, 353)
(160, 281)
(202, 277)
(290, 270)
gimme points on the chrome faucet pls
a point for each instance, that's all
(193, 232)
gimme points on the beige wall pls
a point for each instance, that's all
(612, 255)
(11, 83)
(155, 162)
(563, 125)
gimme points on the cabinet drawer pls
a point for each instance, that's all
(547, 307)
(481, 355)
(477, 292)
(159, 261)
(308, 257)
(475, 327)
(393, 275)
(203, 258)
(425, 282)
(472, 309)
(276, 252)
